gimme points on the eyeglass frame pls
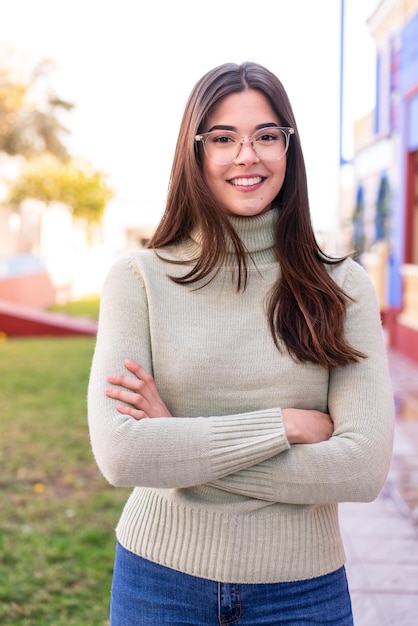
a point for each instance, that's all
(287, 131)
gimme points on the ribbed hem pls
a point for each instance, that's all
(273, 543)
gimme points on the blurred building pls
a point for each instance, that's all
(384, 223)
(48, 257)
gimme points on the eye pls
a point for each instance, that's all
(222, 137)
(269, 135)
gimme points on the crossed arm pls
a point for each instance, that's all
(138, 398)
(280, 454)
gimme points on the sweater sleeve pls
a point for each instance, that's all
(353, 464)
(162, 452)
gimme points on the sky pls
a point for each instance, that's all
(128, 66)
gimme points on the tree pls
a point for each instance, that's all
(30, 110)
(358, 225)
(383, 207)
(76, 184)
(30, 127)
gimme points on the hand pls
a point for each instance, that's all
(138, 393)
(306, 426)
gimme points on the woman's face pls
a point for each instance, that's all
(247, 186)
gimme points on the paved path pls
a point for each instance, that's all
(381, 538)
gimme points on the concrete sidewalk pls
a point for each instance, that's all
(381, 538)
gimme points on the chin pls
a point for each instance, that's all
(247, 212)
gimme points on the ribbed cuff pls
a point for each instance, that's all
(241, 441)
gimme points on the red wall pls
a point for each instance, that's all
(18, 321)
(33, 290)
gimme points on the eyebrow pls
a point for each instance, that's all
(234, 128)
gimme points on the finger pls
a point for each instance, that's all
(139, 371)
(143, 384)
(131, 412)
(128, 382)
(134, 399)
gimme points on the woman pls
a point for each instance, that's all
(239, 382)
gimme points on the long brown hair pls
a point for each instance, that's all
(306, 308)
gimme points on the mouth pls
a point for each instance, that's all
(248, 181)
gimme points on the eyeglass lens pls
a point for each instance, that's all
(270, 144)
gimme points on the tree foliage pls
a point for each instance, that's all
(30, 127)
(30, 112)
(73, 183)
(383, 209)
(358, 224)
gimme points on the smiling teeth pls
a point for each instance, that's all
(246, 182)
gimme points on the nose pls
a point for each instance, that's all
(246, 153)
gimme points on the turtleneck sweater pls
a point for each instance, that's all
(218, 491)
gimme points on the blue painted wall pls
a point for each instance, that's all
(408, 133)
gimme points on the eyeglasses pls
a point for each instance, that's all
(269, 144)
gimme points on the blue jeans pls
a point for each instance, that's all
(147, 594)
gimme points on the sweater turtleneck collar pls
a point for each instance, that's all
(256, 233)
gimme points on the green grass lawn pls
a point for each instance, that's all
(57, 514)
(85, 307)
